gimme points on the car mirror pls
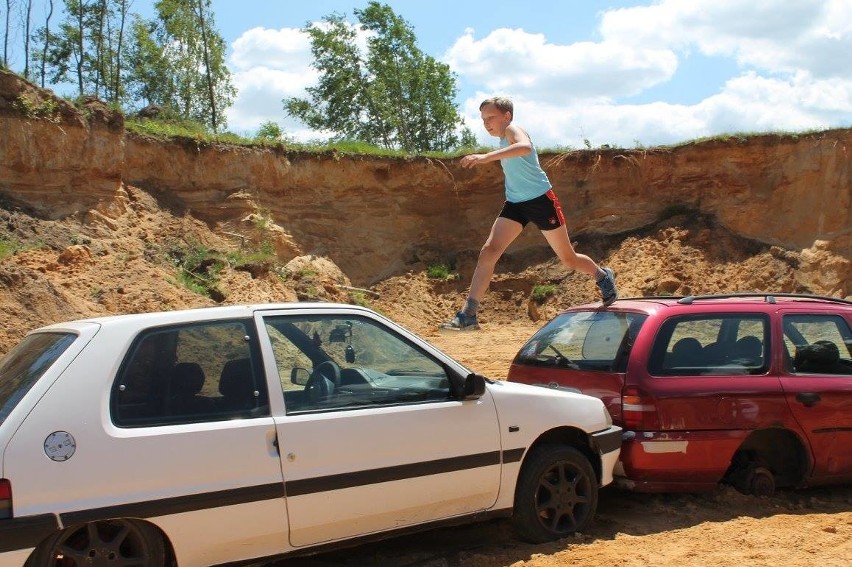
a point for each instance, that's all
(299, 376)
(474, 386)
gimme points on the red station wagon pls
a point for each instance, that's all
(754, 390)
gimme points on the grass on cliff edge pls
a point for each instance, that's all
(170, 127)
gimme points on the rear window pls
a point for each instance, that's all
(26, 363)
(584, 340)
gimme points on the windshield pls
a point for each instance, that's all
(584, 340)
(25, 364)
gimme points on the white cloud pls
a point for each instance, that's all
(267, 66)
(514, 62)
(773, 35)
(753, 103)
(796, 72)
(285, 48)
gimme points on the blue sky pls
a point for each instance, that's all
(625, 73)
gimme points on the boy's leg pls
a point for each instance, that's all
(503, 232)
(560, 242)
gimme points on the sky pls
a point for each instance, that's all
(580, 72)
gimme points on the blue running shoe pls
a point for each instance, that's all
(606, 284)
(461, 322)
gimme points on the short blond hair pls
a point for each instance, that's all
(502, 104)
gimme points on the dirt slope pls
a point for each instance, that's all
(93, 221)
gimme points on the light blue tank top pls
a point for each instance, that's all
(525, 179)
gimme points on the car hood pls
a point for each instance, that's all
(539, 408)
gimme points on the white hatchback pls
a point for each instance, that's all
(224, 434)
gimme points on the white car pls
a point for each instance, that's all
(231, 433)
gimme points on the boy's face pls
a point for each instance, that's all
(495, 122)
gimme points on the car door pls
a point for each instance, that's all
(388, 446)
(817, 381)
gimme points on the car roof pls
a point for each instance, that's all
(155, 318)
(655, 303)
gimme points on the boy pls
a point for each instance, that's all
(529, 197)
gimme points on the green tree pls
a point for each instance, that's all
(87, 47)
(148, 76)
(395, 96)
(179, 61)
(269, 131)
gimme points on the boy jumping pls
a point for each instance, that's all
(529, 197)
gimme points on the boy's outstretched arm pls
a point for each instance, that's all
(519, 145)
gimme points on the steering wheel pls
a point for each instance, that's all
(323, 381)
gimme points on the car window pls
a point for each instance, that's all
(719, 345)
(585, 340)
(817, 344)
(26, 363)
(192, 373)
(346, 362)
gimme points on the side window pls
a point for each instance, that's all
(186, 374)
(711, 345)
(818, 344)
(337, 363)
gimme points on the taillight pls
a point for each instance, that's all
(5, 498)
(638, 411)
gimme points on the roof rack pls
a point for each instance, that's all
(768, 297)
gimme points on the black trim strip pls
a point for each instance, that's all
(26, 532)
(388, 474)
(178, 504)
(513, 455)
(21, 533)
(608, 440)
(833, 430)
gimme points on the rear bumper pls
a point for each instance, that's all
(687, 461)
(20, 535)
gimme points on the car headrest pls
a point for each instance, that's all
(188, 379)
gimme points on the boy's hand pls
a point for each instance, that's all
(472, 160)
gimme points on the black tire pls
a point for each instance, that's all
(109, 543)
(556, 496)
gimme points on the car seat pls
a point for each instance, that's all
(237, 386)
(820, 356)
(187, 382)
(685, 353)
(748, 351)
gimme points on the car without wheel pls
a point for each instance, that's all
(753, 390)
(235, 433)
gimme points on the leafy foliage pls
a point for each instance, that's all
(542, 291)
(441, 272)
(394, 96)
(182, 58)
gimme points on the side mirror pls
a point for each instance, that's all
(474, 386)
(299, 376)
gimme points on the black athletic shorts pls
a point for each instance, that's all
(544, 211)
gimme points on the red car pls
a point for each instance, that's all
(753, 390)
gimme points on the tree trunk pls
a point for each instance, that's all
(208, 72)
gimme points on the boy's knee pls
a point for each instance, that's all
(489, 253)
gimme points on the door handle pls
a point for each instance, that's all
(808, 399)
